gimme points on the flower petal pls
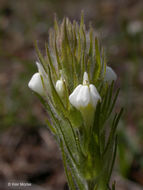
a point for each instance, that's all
(72, 97)
(110, 75)
(36, 85)
(94, 95)
(83, 97)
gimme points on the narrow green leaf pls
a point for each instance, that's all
(74, 37)
(82, 64)
(77, 68)
(113, 103)
(56, 26)
(91, 42)
(50, 62)
(57, 56)
(84, 39)
(66, 40)
(113, 129)
(50, 126)
(111, 135)
(97, 68)
(113, 159)
(77, 178)
(68, 174)
(110, 95)
(103, 65)
(82, 19)
(75, 77)
(41, 59)
(119, 116)
(79, 50)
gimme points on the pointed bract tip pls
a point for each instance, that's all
(85, 78)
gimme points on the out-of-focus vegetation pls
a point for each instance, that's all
(120, 27)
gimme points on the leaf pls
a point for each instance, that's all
(113, 103)
(68, 173)
(41, 59)
(57, 56)
(50, 126)
(112, 134)
(56, 26)
(79, 49)
(50, 63)
(79, 180)
(97, 68)
(113, 159)
(91, 42)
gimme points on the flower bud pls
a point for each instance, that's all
(110, 75)
(36, 85)
(60, 88)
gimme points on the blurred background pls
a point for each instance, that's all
(28, 152)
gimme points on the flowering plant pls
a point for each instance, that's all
(76, 86)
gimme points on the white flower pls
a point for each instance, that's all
(60, 88)
(110, 75)
(36, 85)
(84, 95)
(85, 98)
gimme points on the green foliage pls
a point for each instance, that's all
(88, 151)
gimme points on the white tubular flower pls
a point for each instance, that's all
(110, 75)
(85, 98)
(36, 85)
(60, 88)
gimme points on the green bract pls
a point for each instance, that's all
(88, 151)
